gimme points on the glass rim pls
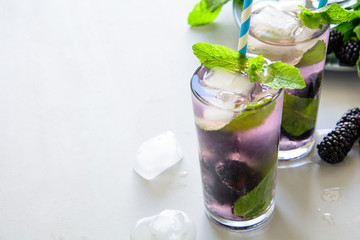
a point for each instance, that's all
(202, 100)
(317, 35)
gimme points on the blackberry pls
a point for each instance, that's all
(338, 143)
(349, 115)
(238, 176)
(352, 115)
(348, 52)
(335, 40)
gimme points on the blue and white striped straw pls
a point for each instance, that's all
(244, 27)
(322, 3)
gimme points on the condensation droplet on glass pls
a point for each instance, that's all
(328, 217)
(331, 194)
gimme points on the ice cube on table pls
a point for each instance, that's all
(158, 154)
(167, 225)
(273, 24)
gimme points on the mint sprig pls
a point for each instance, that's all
(350, 29)
(205, 12)
(219, 56)
(330, 14)
(255, 66)
(276, 75)
(282, 75)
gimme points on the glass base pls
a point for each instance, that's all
(295, 157)
(246, 225)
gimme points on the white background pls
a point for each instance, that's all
(84, 82)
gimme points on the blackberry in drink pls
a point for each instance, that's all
(238, 129)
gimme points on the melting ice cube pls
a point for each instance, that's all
(226, 88)
(274, 24)
(167, 225)
(226, 80)
(158, 154)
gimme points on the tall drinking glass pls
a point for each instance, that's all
(238, 129)
(276, 33)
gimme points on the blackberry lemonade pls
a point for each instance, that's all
(238, 129)
(277, 34)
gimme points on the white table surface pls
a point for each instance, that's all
(84, 82)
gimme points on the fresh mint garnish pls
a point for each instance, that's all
(350, 29)
(282, 75)
(214, 4)
(347, 29)
(313, 55)
(255, 66)
(219, 56)
(299, 114)
(330, 14)
(205, 12)
(258, 199)
(357, 31)
(276, 75)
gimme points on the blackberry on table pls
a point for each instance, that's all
(351, 113)
(335, 40)
(338, 143)
(348, 52)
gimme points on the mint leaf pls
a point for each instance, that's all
(258, 200)
(214, 4)
(201, 14)
(219, 56)
(347, 29)
(255, 67)
(282, 75)
(313, 55)
(358, 67)
(330, 14)
(251, 118)
(276, 75)
(357, 31)
(299, 114)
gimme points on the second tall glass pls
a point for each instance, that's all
(277, 34)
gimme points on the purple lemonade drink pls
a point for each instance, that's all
(238, 128)
(277, 34)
